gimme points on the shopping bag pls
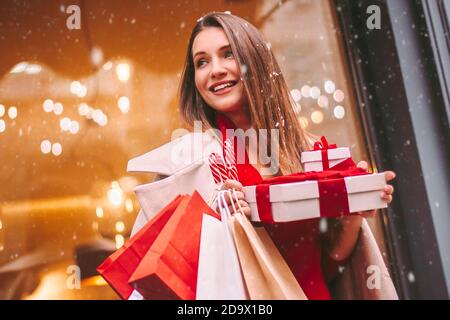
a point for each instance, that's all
(169, 268)
(266, 274)
(118, 267)
(219, 271)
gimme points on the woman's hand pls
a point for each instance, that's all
(230, 184)
(387, 192)
(352, 224)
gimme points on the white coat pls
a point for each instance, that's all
(181, 167)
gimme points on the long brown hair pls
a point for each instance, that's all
(270, 105)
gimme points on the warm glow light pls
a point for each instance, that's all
(48, 105)
(2, 110)
(75, 87)
(129, 205)
(18, 68)
(78, 89)
(323, 102)
(296, 95)
(83, 109)
(120, 226)
(314, 92)
(56, 149)
(33, 69)
(107, 65)
(124, 104)
(96, 56)
(119, 241)
(90, 113)
(99, 212)
(82, 92)
(12, 112)
(58, 108)
(306, 91)
(329, 87)
(97, 115)
(115, 196)
(103, 120)
(46, 146)
(339, 112)
(317, 117)
(2, 125)
(338, 96)
(303, 122)
(74, 127)
(123, 71)
(64, 123)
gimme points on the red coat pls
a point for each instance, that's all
(299, 242)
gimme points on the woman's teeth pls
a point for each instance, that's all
(223, 86)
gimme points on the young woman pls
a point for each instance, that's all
(231, 80)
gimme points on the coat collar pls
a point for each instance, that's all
(190, 149)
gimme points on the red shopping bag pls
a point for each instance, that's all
(169, 268)
(118, 267)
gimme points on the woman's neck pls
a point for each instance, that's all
(240, 119)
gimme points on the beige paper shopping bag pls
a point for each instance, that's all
(266, 274)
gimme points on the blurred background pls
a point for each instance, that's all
(77, 103)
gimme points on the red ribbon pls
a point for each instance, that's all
(323, 146)
(333, 196)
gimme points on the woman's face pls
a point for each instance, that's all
(217, 75)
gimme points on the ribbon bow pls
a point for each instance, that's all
(323, 144)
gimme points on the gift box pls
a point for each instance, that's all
(324, 156)
(327, 194)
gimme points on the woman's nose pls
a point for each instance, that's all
(218, 70)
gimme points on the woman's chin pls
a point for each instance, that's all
(227, 108)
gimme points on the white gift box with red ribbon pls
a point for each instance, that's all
(314, 160)
(309, 199)
(324, 156)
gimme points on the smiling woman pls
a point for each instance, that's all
(217, 75)
(231, 80)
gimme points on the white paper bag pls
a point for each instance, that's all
(219, 273)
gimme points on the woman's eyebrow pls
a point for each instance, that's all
(227, 46)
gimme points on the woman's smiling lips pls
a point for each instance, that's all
(224, 90)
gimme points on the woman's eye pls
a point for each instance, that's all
(200, 62)
(229, 54)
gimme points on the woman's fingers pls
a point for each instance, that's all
(244, 206)
(389, 175)
(230, 184)
(388, 189)
(240, 195)
(387, 198)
